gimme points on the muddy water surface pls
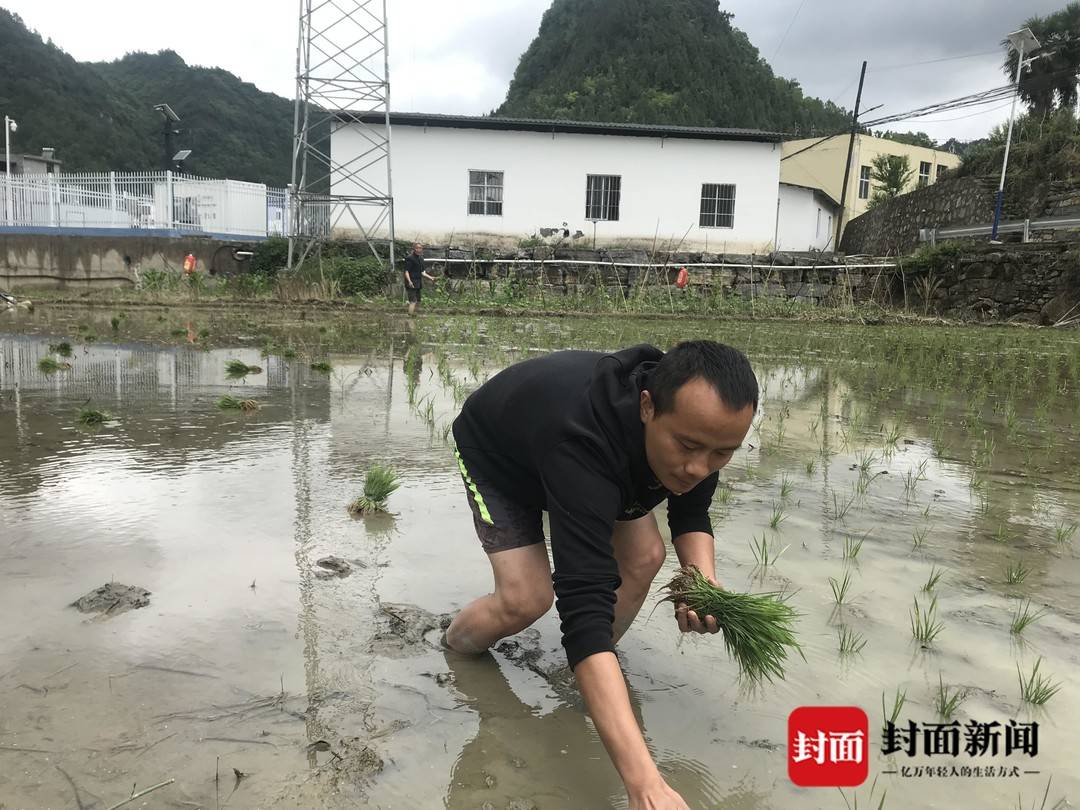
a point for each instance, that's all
(253, 682)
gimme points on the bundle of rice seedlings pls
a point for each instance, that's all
(757, 627)
(62, 349)
(379, 483)
(322, 367)
(89, 416)
(229, 402)
(238, 368)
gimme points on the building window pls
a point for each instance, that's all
(924, 174)
(864, 182)
(717, 205)
(941, 170)
(602, 193)
(486, 193)
(817, 225)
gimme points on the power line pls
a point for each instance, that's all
(835, 96)
(811, 146)
(935, 61)
(788, 31)
(972, 100)
(980, 99)
(969, 115)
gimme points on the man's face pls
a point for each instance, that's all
(695, 438)
(417, 248)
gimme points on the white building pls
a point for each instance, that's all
(701, 188)
(806, 219)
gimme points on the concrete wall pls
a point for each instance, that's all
(892, 228)
(545, 184)
(806, 221)
(36, 261)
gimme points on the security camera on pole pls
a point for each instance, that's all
(9, 127)
(1024, 42)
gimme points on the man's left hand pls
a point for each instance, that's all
(690, 622)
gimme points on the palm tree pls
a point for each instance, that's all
(1049, 82)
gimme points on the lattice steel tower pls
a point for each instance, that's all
(342, 81)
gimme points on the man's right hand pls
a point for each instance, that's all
(604, 688)
(658, 796)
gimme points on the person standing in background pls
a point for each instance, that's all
(414, 276)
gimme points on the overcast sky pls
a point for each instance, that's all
(458, 57)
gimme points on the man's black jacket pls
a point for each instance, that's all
(563, 433)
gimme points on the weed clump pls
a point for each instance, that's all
(757, 628)
(61, 349)
(322, 367)
(379, 483)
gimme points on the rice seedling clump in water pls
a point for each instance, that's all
(757, 628)
(89, 416)
(231, 403)
(379, 483)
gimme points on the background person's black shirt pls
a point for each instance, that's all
(414, 266)
(563, 433)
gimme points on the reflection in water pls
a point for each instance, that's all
(554, 758)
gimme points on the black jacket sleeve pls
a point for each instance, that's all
(583, 502)
(690, 512)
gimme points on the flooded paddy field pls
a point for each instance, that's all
(888, 467)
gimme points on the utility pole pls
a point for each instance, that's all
(847, 165)
(1022, 40)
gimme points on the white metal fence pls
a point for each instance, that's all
(143, 201)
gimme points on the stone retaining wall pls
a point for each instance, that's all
(892, 229)
(1034, 283)
(782, 275)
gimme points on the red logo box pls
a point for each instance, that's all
(828, 746)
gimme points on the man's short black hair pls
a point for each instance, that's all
(726, 369)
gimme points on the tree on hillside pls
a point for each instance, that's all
(891, 174)
(1049, 82)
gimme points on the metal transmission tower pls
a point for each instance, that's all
(342, 83)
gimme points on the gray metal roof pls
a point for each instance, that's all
(551, 125)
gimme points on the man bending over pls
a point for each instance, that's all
(598, 441)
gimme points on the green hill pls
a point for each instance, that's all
(657, 61)
(100, 116)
